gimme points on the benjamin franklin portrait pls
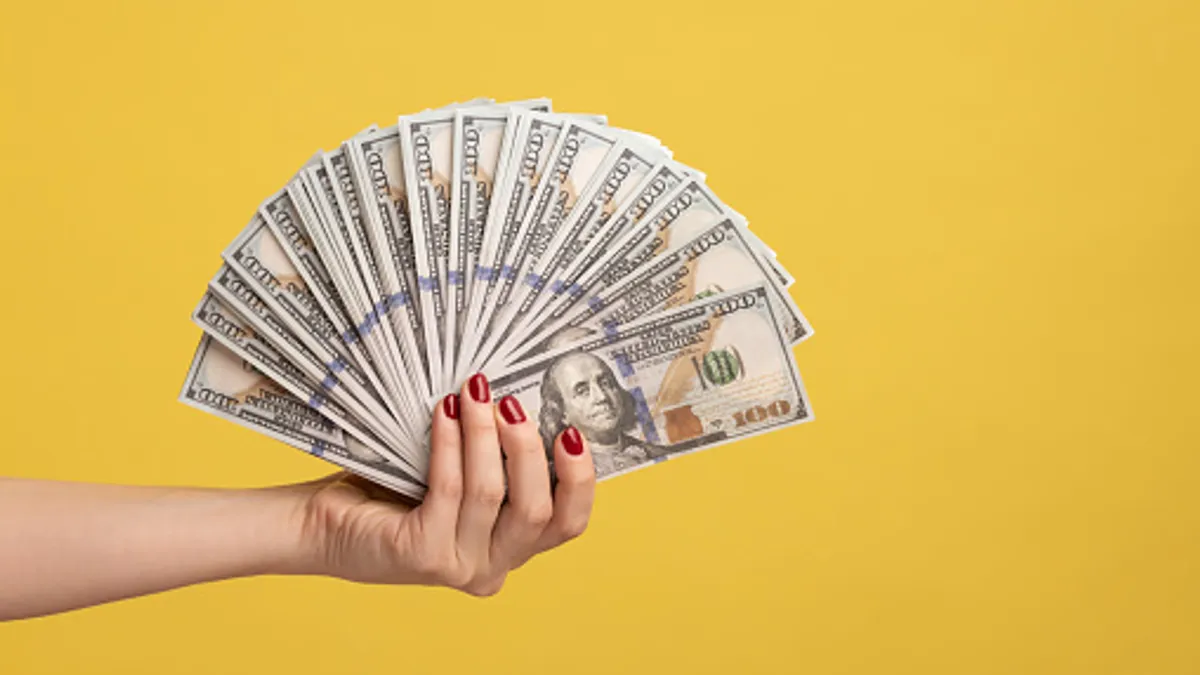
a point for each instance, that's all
(580, 390)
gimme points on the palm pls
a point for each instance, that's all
(365, 535)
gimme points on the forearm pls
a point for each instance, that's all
(69, 545)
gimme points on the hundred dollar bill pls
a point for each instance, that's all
(238, 296)
(580, 150)
(313, 195)
(388, 318)
(378, 171)
(478, 139)
(524, 161)
(691, 378)
(660, 184)
(258, 259)
(220, 383)
(426, 154)
(478, 136)
(238, 334)
(719, 259)
(285, 218)
(678, 218)
(623, 169)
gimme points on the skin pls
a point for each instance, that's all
(69, 545)
(590, 397)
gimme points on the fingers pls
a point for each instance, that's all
(483, 472)
(530, 505)
(439, 512)
(573, 494)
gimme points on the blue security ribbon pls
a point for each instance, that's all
(649, 431)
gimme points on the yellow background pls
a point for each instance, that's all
(991, 213)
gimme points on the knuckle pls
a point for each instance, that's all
(577, 476)
(432, 564)
(537, 514)
(456, 576)
(573, 527)
(524, 444)
(479, 425)
(447, 486)
(486, 587)
(488, 494)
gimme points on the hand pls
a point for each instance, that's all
(465, 535)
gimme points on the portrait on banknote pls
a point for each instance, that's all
(580, 390)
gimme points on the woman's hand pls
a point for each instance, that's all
(465, 534)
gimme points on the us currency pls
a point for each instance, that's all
(221, 383)
(580, 150)
(692, 378)
(678, 218)
(312, 193)
(238, 296)
(478, 136)
(258, 259)
(387, 318)
(478, 142)
(623, 169)
(289, 221)
(238, 334)
(661, 183)
(719, 259)
(377, 166)
(426, 153)
(525, 160)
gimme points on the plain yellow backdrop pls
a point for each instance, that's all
(991, 211)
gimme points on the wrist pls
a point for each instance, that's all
(291, 536)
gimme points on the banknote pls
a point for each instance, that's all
(678, 218)
(239, 335)
(378, 170)
(526, 158)
(221, 383)
(283, 215)
(661, 183)
(717, 260)
(478, 139)
(321, 220)
(259, 261)
(426, 152)
(387, 318)
(581, 149)
(478, 136)
(691, 378)
(238, 296)
(622, 170)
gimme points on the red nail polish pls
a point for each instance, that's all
(479, 389)
(450, 406)
(572, 441)
(511, 410)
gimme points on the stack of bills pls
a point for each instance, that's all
(576, 264)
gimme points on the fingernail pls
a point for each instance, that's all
(511, 410)
(450, 406)
(572, 441)
(478, 386)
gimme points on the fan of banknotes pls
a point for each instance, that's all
(576, 264)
